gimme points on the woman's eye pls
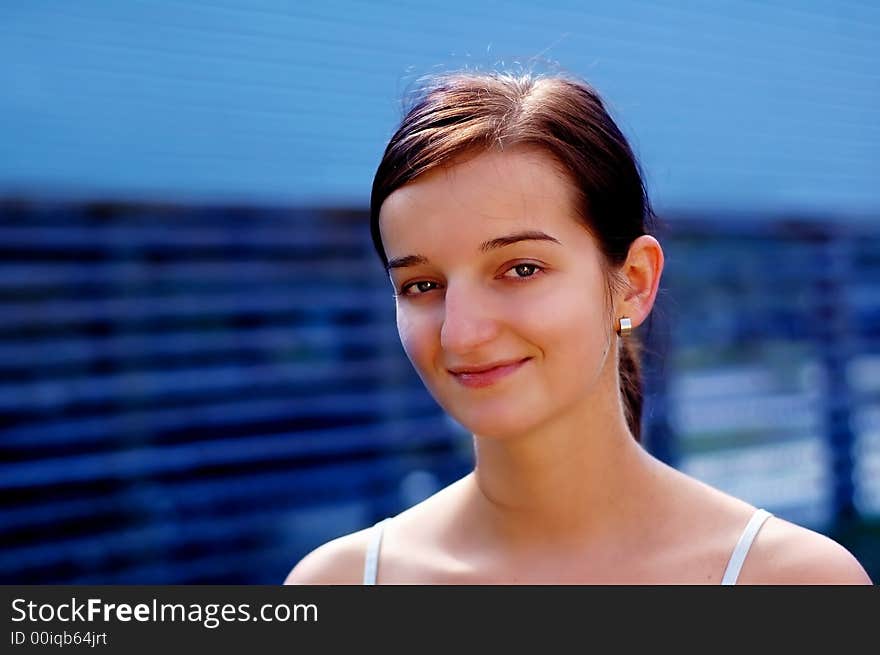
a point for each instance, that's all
(417, 288)
(524, 270)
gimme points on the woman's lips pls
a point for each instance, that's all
(488, 377)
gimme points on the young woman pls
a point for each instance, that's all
(512, 219)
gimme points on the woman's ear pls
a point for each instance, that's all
(641, 271)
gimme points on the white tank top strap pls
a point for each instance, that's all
(742, 546)
(371, 562)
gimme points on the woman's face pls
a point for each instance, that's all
(492, 269)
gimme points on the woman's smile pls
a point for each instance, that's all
(484, 376)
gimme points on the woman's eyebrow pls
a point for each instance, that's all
(528, 235)
(492, 244)
(403, 262)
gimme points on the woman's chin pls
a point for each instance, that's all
(499, 415)
(495, 424)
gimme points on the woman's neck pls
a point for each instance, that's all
(567, 481)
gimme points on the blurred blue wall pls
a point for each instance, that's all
(744, 105)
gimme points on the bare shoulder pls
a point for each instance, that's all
(784, 553)
(337, 562)
(407, 539)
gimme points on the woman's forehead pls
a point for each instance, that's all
(519, 188)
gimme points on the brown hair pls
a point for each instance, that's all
(462, 112)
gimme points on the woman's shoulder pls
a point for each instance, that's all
(781, 553)
(337, 562)
(785, 553)
(342, 560)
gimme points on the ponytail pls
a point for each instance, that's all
(631, 383)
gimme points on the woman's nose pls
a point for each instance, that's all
(468, 321)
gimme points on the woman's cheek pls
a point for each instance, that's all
(413, 337)
(573, 331)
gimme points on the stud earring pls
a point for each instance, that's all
(626, 326)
